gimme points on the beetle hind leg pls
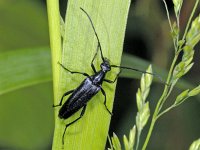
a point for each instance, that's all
(67, 125)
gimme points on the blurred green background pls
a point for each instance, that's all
(26, 113)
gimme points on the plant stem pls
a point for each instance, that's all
(149, 133)
(169, 20)
(190, 19)
(138, 139)
(55, 40)
(160, 103)
(55, 43)
(165, 111)
(167, 91)
(168, 17)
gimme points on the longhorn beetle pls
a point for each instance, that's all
(89, 87)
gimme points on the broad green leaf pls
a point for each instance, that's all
(23, 24)
(79, 47)
(25, 67)
(26, 117)
(44, 62)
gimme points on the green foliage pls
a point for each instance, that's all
(192, 38)
(195, 91)
(177, 70)
(115, 142)
(177, 6)
(181, 97)
(142, 114)
(79, 45)
(24, 70)
(129, 143)
(193, 35)
(40, 70)
(25, 75)
(195, 145)
(186, 94)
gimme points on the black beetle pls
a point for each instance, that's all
(89, 87)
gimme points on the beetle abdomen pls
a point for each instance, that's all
(78, 98)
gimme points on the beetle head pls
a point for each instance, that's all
(105, 65)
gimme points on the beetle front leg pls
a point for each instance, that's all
(67, 125)
(92, 65)
(110, 81)
(77, 72)
(104, 93)
(65, 94)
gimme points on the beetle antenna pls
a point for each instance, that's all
(129, 68)
(94, 33)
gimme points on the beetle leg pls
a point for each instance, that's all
(104, 93)
(110, 81)
(83, 73)
(92, 65)
(67, 125)
(65, 94)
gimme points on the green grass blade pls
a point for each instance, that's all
(79, 47)
(24, 67)
(19, 29)
(55, 41)
(38, 60)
